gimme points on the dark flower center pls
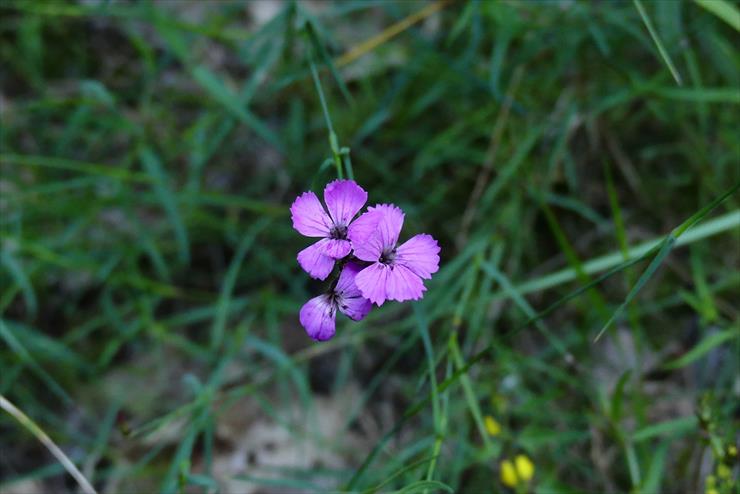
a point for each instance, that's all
(338, 232)
(387, 256)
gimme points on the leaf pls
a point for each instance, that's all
(618, 395)
(658, 43)
(665, 247)
(15, 269)
(216, 88)
(724, 10)
(167, 197)
(227, 288)
(25, 357)
(398, 473)
(652, 268)
(676, 427)
(703, 95)
(703, 347)
(656, 469)
(423, 485)
(712, 227)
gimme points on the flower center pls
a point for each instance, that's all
(387, 256)
(338, 232)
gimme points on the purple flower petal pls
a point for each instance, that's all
(314, 261)
(346, 282)
(402, 284)
(356, 308)
(420, 255)
(376, 231)
(367, 246)
(380, 282)
(317, 316)
(344, 198)
(349, 299)
(336, 248)
(390, 224)
(371, 282)
(309, 217)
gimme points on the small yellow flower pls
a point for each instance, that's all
(519, 472)
(508, 474)
(492, 426)
(732, 450)
(524, 468)
(710, 481)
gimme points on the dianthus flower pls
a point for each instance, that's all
(396, 271)
(318, 314)
(374, 267)
(343, 198)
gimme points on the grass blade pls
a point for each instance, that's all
(712, 227)
(424, 485)
(724, 10)
(166, 196)
(659, 44)
(670, 428)
(34, 429)
(224, 299)
(25, 357)
(665, 249)
(468, 389)
(21, 279)
(703, 347)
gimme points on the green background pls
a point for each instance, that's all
(149, 289)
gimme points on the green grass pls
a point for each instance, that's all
(577, 161)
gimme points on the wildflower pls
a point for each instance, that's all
(732, 450)
(379, 270)
(492, 426)
(518, 472)
(508, 474)
(343, 198)
(318, 314)
(396, 271)
(524, 467)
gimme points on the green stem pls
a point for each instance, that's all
(347, 163)
(333, 142)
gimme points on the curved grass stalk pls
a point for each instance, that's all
(34, 429)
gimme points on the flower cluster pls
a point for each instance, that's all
(517, 474)
(373, 267)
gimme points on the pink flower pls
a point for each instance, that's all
(318, 314)
(396, 271)
(344, 198)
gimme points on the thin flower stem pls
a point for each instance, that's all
(347, 163)
(32, 427)
(333, 143)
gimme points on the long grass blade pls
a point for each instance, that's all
(658, 43)
(44, 438)
(724, 10)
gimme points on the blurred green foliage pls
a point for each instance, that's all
(148, 284)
